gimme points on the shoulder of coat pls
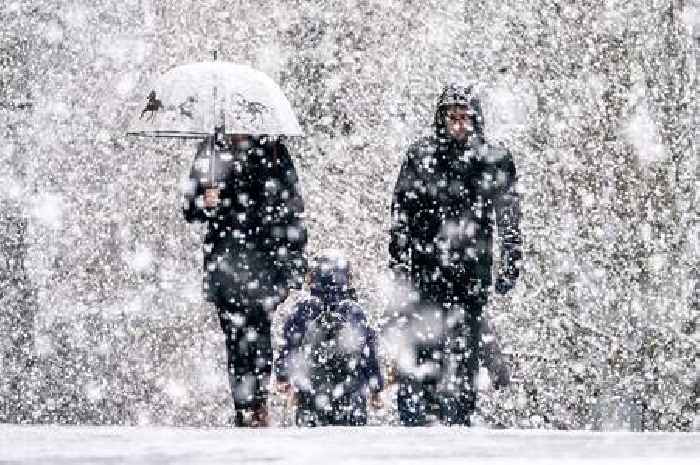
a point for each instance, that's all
(309, 304)
(425, 146)
(280, 151)
(495, 153)
(354, 311)
(351, 306)
(427, 143)
(283, 160)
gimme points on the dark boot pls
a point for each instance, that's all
(252, 418)
(261, 418)
(411, 406)
(350, 410)
(243, 418)
(417, 402)
(306, 414)
(457, 410)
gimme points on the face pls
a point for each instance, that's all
(240, 141)
(459, 122)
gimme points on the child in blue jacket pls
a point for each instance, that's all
(329, 356)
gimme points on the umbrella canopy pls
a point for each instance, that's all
(190, 101)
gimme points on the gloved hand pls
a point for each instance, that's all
(399, 271)
(506, 280)
(509, 272)
(295, 281)
(284, 387)
(296, 269)
(504, 285)
(501, 377)
(376, 401)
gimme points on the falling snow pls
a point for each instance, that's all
(103, 320)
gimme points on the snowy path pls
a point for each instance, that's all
(372, 445)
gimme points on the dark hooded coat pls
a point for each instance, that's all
(449, 198)
(253, 250)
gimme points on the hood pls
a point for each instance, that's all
(458, 94)
(329, 279)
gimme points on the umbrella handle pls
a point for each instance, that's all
(212, 161)
(212, 142)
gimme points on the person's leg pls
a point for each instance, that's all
(465, 337)
(306, 414)
(492, 355)
(249, 355)
(451, 385)
(424, 335)
(228, 313)
(418, 401)
(255, 354)
(468, 394)
(410, 402)
(358, 410)
(349, 410)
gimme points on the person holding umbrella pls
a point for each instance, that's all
(253, 254)
(244, 187)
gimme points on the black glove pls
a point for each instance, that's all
(504, 285)
(506, 280)
(296, 282)
(296, 270)
(501, 377)
(509, 272)
(399, 271)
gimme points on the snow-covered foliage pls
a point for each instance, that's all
(101, 313)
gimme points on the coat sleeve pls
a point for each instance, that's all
(373, 372)
(507, 213)
(293, 335)
(193, 197)
(403, 209)
(289, 231)
(369, 363)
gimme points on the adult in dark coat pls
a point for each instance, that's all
(253, 254)
(453, 191)
(329, 356)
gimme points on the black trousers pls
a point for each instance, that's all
(445, 343)
(248, 351)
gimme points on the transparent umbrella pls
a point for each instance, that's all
(206, 100)
(191, 101)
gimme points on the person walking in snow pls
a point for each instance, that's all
(329, 357)
(454, 189)
(253, 254)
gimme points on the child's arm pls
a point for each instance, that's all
(293, 332)
(374, 374)
(369, 362)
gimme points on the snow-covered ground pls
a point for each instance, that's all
(47, 445)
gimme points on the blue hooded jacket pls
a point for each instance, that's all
(330, 291)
